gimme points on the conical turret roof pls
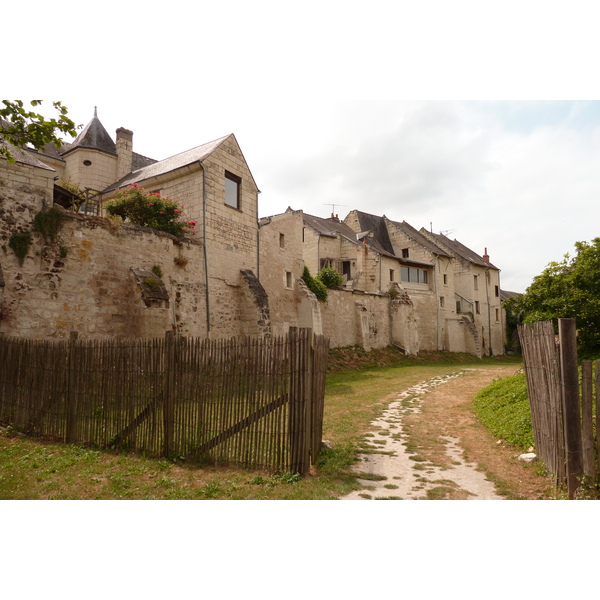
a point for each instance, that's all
(94, 136)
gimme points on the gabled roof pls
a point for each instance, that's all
(377, 225)
(330, 227)
(169, 164)
(419, 238)
(462, 251)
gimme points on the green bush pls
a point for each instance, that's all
(330, 277)
(316, 286)
(150, 210)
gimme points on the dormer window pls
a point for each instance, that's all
(404, 252)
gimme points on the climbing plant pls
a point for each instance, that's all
(20, 243)
(48, 223)
(316, 286)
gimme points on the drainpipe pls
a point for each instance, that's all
(487, 294)
(437, 299)
(204, 246)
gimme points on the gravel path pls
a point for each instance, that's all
(392, 472)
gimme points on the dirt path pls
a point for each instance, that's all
(427, 444)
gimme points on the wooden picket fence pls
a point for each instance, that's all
(252, 402)
(563, 417)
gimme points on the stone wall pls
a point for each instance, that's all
(24, 191)
(84, 282)
(350, 318)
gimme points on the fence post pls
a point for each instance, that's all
(597, 380)
(308, 404)
(168, 394)
(587, 427)
(570, 400)
(71, 397)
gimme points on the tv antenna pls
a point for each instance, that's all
(333, 206)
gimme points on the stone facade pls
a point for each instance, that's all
(236, 275)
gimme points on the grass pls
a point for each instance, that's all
(35, 469)
(503, 407)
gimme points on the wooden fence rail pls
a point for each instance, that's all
(256, 403)
(562, 417)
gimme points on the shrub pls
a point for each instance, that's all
(19, 244)
(150, 210)
(316, 286)
(330, 277)
(48, 223)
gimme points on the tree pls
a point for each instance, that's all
(21, 127)
(567, 289)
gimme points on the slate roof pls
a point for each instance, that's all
(21, 155)
(169, 164)
(377, 225)
(418, 237)
(330, 227)
(24, 157)
(93, 136)
(462, 251)
(505, 295)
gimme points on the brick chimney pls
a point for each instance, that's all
(486, 258)
(124, 151)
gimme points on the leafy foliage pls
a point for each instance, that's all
(23, 127)
(316, 286)
(48, 223)
(149, 209)
(567, 289)
(330, 277)
(19, 244)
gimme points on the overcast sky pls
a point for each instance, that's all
(353, 105)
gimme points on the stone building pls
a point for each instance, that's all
(93, 277)
(238, 275)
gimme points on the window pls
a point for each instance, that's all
(458, 306)
(281, 240)
(289, 280)
(413, 275)
(404, 252)
(442, 301)
(497, 291)
(445, 279)
(477, 307)
(497, 315)
(232, 190)
(475, 282)
(346, 270)
(391, 274)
